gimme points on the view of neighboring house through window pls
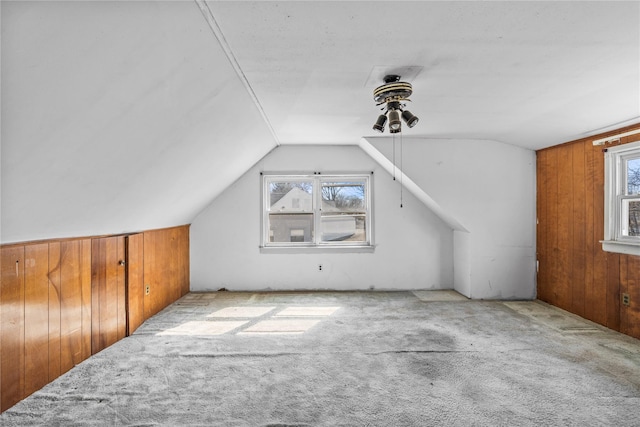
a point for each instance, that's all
(631, 200)
(315, 210)
(622, 198)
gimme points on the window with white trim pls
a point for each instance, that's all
(316, 210)
(622, 199)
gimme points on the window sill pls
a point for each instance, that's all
(628, 248)
(316, 249)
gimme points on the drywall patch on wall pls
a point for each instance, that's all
(414, 248)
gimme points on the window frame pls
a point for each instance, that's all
(316, 243)
(615, 197)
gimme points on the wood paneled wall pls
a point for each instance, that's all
(166, 272)
(575, 274)
(46, 301)
(12, 326)
(108, 292)
(135, 281)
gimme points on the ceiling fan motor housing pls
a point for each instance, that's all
(392, 90)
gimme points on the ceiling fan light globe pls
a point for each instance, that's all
(394, 121)
(409, 118)
(379, 124)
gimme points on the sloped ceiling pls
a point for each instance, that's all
(121, 116)
(117, 116)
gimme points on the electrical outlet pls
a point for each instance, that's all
(319, 267)
(147, 289)
(626, 299)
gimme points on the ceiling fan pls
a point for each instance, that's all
(392, 94)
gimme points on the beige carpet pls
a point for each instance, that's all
(352, 359)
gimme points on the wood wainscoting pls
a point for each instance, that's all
(63, 300)
(575, 274)
(108, 292)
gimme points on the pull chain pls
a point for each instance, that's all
(394, 156)
(401, 170)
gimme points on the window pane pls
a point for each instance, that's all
(303, 210)
(285, 228)
(343, 228)
(622, 198)
(631, 217)
(633, 176)
(343, 197)
(343, 211)
(290, 196)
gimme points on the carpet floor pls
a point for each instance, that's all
(429, 358)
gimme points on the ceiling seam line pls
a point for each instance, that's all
(217, 32)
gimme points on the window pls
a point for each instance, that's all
(316, 211)
(622, 199)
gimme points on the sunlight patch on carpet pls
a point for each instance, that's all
(254, 320)
(203, 328)
(307, 311)
(243, 312)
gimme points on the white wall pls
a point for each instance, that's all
(414, 248)
(489, 187)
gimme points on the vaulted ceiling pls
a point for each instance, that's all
(119, 116)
